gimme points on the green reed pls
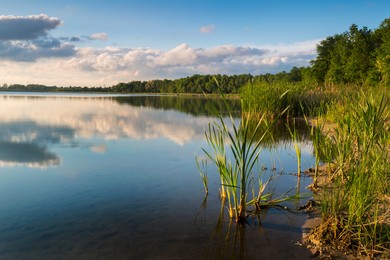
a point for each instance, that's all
(297, 147)
(234, 148)
(353, 209)
(356, 206)
(317, 137)
(272, 99)
(244, 146)
(202, 168)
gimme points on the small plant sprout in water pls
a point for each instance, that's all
(316, 137)
(202, 168)
(297, 146)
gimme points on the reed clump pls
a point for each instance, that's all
(355, 203)
(355, 208)
(202, 168)
(234, 148)
(272, 99)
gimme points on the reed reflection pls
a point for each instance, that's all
(271, 234)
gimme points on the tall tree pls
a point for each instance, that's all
(382, 36)
(321, 64)
(360, 58)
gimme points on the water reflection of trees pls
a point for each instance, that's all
(277, 131)
(194, 105)
(198, 105)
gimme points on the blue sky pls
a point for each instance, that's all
(100, 43)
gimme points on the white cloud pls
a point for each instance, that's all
(108, 66)
(181, 55)
(207, 29)
(29, 54)
(99, 36)
(29, 51)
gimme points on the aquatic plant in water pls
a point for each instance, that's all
(234, 148)
(202, 168)
(297, 147)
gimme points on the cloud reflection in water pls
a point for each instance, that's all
(29, 154)
(35, 122)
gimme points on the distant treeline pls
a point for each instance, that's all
(43, 88)
(193, 84)
(355, 57)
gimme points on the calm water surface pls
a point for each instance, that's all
(114, 177)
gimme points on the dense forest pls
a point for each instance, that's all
(357, 56)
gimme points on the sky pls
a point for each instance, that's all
(101, 43)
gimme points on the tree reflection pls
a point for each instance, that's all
(193, 105)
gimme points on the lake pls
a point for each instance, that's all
(114, 177)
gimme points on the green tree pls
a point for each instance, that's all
(321, 64)
(360, 59)
(295, 74)
(382, 62)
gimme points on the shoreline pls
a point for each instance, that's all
(314, 228)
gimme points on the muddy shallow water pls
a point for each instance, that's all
(114, 177)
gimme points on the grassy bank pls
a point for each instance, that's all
(355, 204)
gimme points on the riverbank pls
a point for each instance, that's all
(310, 240)
(353, 219)
(350, 130)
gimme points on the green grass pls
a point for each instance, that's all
(353, 208)
(272, 99)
